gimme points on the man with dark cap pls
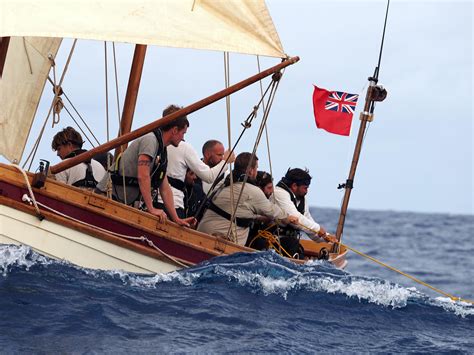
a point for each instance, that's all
(290, 195)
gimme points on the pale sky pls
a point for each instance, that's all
(418, 152)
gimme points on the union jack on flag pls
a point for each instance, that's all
(341, 102)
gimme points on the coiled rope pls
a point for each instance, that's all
(333, 240)
(273, 241)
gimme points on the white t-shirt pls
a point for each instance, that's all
(179, 160)
(78, 172)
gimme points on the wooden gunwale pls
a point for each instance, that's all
(64, 195)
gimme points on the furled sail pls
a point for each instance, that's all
(242, 26)
(23, 78)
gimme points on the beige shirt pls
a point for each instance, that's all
(252, 204)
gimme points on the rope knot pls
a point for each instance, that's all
(58, 104)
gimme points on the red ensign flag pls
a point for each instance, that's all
(333, 110)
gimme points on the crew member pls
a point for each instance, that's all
(68, 143)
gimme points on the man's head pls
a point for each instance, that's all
(298, 180)
(66, 141)
(246, 164)
(190, 177)
(265, 182)
(176, 129)
(212, 152)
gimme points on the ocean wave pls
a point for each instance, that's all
(264, 273)
(12, 256)
(268, 273)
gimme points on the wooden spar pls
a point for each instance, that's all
(365, 116)
(132, 93)
(66, 164)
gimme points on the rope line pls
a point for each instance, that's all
(229, 139)
(28, 185)
(266, 129)
(274, 86)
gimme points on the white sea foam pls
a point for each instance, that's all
(459, 308)
(19, 256)
(147, 281)
(373, 291)
(379, 292)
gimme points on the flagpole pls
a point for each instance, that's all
(375, 93)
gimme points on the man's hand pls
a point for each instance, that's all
(229, 156)
(293, 219)
(326, 236)
(162, 217)
(190, 222)
(322, 232)
(290, 220)
(330, 238)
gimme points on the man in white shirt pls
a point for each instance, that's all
(182, 158)
(68, 143)
(290, 195)
(212, 154)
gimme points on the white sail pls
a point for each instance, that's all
(242, 26)
(24, 75)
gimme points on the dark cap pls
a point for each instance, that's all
(297, 176)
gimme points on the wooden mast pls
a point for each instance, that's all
(114, 143)
(132, 93)
(374, 93)
(365, 116)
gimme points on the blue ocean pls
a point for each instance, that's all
(256, 302)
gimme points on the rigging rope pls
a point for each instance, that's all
(83, 121)
(38, 140)
(266, 130)
(229, 138)
(119, 114)
(274, 86)
(333, 240)
(107, 123)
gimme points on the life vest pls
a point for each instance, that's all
(300, 207)
(88, 181)
(158, 172)
(177, 183)
(239, 221)
(289, 230)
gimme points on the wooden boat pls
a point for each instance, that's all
(77, 225)
(93, 231)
